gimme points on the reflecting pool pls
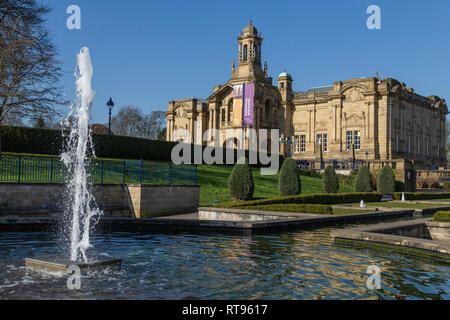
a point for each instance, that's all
(303, 264)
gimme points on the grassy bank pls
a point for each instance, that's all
(214, 184)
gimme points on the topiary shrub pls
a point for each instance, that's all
(241, 183)
(447, 185)
(330, 181)
(363, 181)
(386, 181)
(442, 216)
(289, 183)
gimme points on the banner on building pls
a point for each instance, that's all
(249, 101)
(237, 105)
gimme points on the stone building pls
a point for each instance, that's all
(365, 118)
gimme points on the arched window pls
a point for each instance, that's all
(230, 109)
(255, 51)
(245, 52)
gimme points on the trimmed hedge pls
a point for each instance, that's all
(314, 198)
(446, 185)
(289, 182)
(442, 216)
(363, 182)
(299, 208)
(421, 195)
(386, 181)
(241, 182)
(330, 181)
(50, 141)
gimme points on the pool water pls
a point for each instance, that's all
(305, 264)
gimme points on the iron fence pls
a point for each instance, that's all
(47, 169)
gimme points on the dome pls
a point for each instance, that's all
(250, 30)
(285, 74)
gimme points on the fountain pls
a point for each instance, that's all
(81, 212)
(403, 197)
(362, 204)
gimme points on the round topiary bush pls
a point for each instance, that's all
(363, 181)
(386, 181)
(330, 181)
(289, 183)
(241, 183)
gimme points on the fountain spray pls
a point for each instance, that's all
(75, 158)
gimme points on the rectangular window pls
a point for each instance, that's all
(396, 142)
(427, 147)
(409, 144)
(418, 146)
(296, 144)
(319, 139)
(223, 115)
(349, 140)
(325, 142)
(439, 150)
(357, 140)
(302, 143)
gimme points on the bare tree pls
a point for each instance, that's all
(128, 122)
(153, 124)
(29, 71)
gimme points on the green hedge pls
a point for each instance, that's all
(442, 216)
(319, 198)
(421, 195)
(299, 208)
(446, 185)
(50, 141)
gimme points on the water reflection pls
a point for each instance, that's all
(291, 265)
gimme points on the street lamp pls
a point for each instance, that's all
(287, 141)
(110, 105)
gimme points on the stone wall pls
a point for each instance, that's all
(140, 201)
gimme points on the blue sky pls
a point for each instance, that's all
(147, 52)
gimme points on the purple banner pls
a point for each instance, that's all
(249, 99)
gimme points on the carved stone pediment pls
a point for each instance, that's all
(353, 95)
(354, 118)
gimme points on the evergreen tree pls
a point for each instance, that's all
(330, 181)
(241, 183)
(289, 182)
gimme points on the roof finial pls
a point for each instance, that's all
(250, 21)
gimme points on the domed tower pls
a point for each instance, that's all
(249, 56)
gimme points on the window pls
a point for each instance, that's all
(223, 115)
(296, 144)
(396, 142)
(319, 139)
(418, 146)
(409, 144)
(349, 140)
(302, 143)
(282, 85)
(230, 109)
(438, 150)
(357, 140)
(427, 148)
(245, 53)
(325, 142)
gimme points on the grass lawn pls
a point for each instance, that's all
(341, 211)
(214, 184)
(403, 205)
(438, 200)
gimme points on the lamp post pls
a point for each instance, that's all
(110, 105)
(287, 141)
